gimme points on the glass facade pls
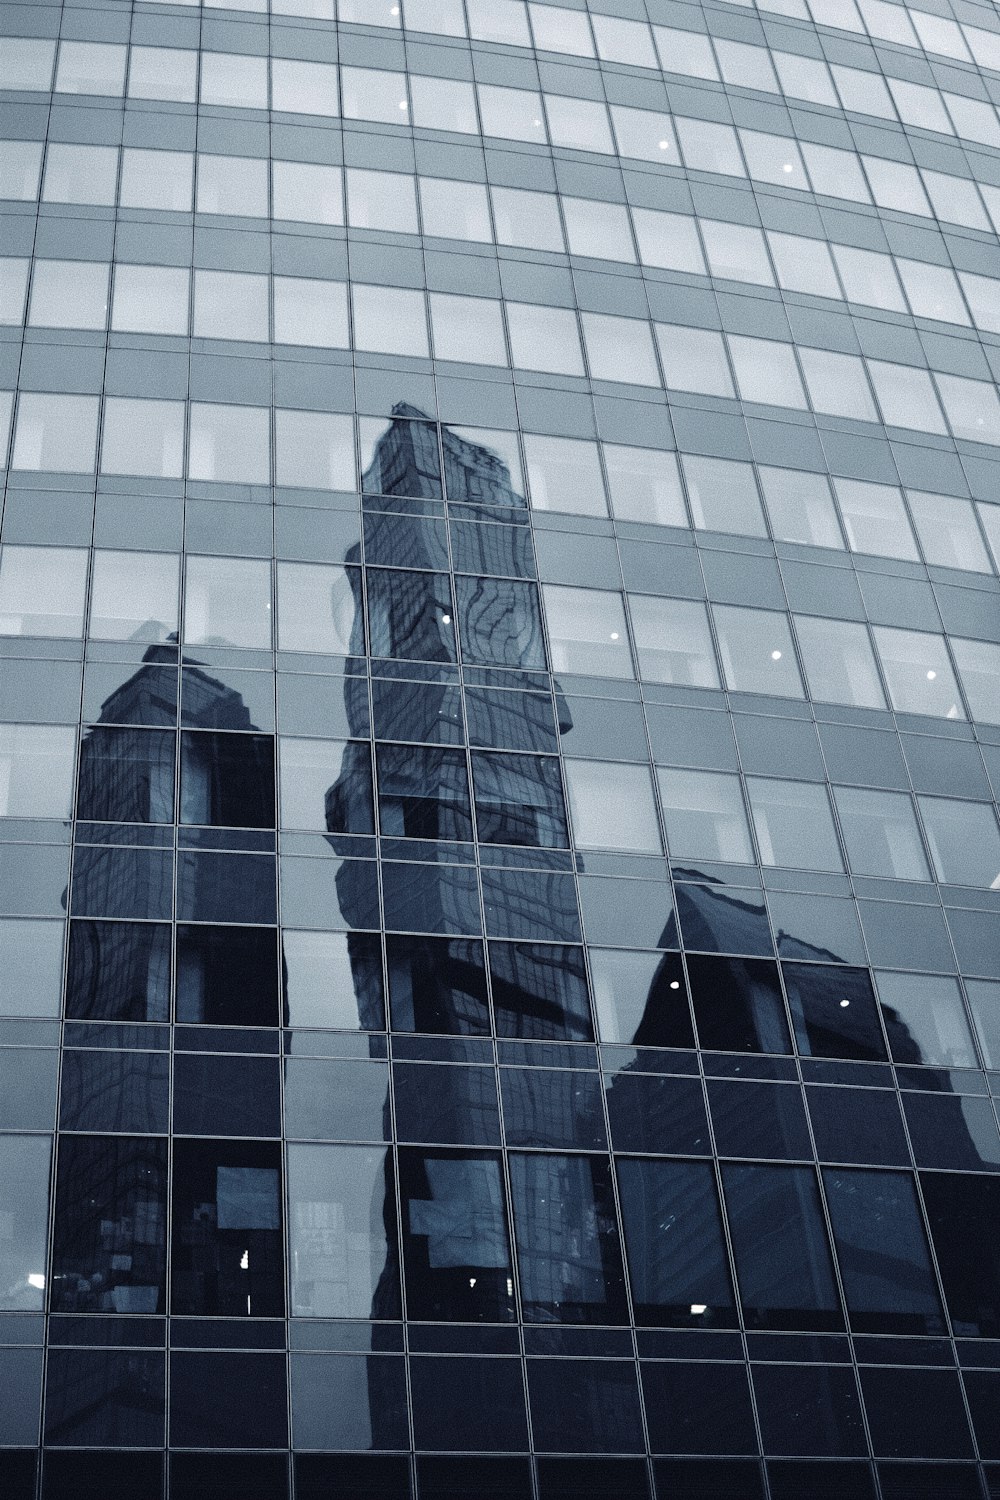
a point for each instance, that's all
(499, 750)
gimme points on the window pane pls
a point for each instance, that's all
(834, 1011)
(737, 252)
(587, 631)
(804, 265)
(783, 1261)
(232, 185)
(455, 1241)
(31, 962)
(36, 770)
(644, 485)
(42, 591)
(512, 114)
(709, 147)
(442, 17)
(624, 41)
(640, 999)
(694, 359)
(499, 21)
(906, 397)
(326, 785)
(839, 662)
(163, 73)
(388, 320)
(227, 602)
(13, 289)
(143, 437)
(794, 824)
(109, 1234)
(229, 444)
(314, 450)
(620, 349)
(27, 63)
(964, 841)
(69, 294)
(685, 52)
(80, 174)
(381, 200)
(668, 240)
(773, 158)
(444, 104)
(925, 1020)
(757, 653)
(24, 1192)
(526, 218)
(564, 474)
(455, 210)
(306, 192)
(836, 172)
(723, 496)
(569, 1253)
(972, 407)
(800, 507)
(342, 1234)
(228, 78)
(229, 305)
(766, 372)
(875, 519)
(317, 609)
(705, 816)
(309, 312)
(612, 806)
(156, 179)
(918, 673)
(948, 532)
(932, 291)
(91, 68)
(519, 799)
(598, 229)
(672, 641)
(869, 278)
(881, 834)
(56, 433)
(303, 88)
(150, 299)
(544, 338)
(580, 124)
(644, 135)
(979, 669)
(133, 595)
(369, 94)
(881, 1245)
(837, 384)
(20, 170)
(468, 329)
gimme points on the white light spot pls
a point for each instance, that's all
(664, 145)
(844, 1004)
(775, 655)
(446, 619)
(931, 676)
(402, 103)
(675, 984)
(614, 635)
(245, 1261)
(37, 1280)
(788, 167)
(698, 1308)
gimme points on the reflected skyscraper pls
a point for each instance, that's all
(499, 750)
